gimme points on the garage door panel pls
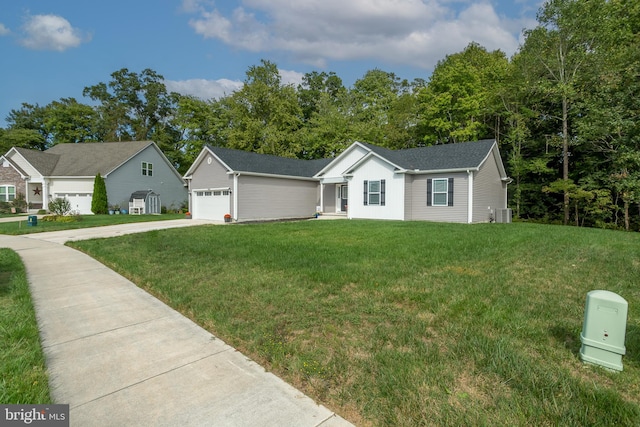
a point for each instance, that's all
(212, 204)
(80, 202)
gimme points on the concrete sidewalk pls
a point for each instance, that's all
(120, 357)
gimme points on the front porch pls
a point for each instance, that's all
(334, 198)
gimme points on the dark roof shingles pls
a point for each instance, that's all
(245, 161)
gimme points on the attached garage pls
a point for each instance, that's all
(211, 204)
(80, 202)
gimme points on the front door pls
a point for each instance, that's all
(343, 194)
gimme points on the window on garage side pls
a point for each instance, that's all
(147, 169)
(440, 192)
(7, 193)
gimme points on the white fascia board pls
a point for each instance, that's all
(429, 172)
(271, 175)
(203, 153)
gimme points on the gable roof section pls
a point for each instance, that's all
(14, 165)
(462, 155)
(87, 159)
(43, 162)
(249, 162)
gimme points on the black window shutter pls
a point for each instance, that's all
(429, 192)
(450, 188)
(382, 192)
(366, 193)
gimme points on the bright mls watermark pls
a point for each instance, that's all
(34, 415)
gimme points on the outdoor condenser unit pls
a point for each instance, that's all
(503, 215)
(603, 331)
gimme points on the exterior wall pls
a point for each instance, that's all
(128, 178)
(24, 165)
(374, 170)
(418, 199)
(262, 197)
(211, 175)
(489, 192)
(329, 198)
(70, 185)
(10, 176)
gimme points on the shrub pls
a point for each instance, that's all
(60, 206)
(99, 204)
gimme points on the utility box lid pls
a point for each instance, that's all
(604, 329)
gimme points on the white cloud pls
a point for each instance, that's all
(50, 32)
(3, 30)
(203, 89)
(216, 89)
(410, 32)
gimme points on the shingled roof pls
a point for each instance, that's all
(245, 161)
(463, 155)
(43, 162)
(87, 159)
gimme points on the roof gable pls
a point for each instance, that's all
(42, 162)
(88, 159)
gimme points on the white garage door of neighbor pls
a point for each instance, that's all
(211, 204)
(80, 202)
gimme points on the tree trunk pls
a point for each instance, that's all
(565, 155)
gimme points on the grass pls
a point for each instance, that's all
(84, 221)
(23, 377)
(407, 323)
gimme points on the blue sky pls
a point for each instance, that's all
(53, 49)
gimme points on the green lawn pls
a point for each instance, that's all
(23, 377)
(407, 323)
(83, 221)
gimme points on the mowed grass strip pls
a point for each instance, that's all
(23, 376)
(20, 226)
(407, 323)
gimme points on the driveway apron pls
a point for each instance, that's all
(120, 357)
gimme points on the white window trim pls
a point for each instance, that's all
(7, 193)
(445, 192)
(371, 193)
(146, 168)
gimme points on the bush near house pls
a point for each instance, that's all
(99, 203)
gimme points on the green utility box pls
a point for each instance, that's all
(32, 221)
(603, 330)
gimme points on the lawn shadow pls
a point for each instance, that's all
(570, 338)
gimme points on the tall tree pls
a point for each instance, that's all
(559, 49)
(132, 106)
(67, 121)
(457, 104)
(264, 116)
(99, 202)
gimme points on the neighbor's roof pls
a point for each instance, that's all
(245, 161)
(90, 158)
(462, 155)
(43, 162)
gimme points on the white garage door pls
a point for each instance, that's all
(211, 204)
(80, 202)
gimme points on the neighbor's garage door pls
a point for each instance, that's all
(212, 204)
(80, 202)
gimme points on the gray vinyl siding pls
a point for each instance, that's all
(488, 190)
(262, 197)
(128, 178)
(418, 209)
(329, 198)
(408, 199)
(213, 175)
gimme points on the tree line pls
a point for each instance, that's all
(564, 109)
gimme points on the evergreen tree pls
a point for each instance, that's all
(99, 204)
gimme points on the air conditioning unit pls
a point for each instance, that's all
(503, 215)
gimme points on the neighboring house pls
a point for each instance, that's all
(69, 170)
(251, 186)
(463, 182)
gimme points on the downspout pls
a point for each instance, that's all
(470, 197)
(235, 196)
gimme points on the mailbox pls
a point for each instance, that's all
(603, 330)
